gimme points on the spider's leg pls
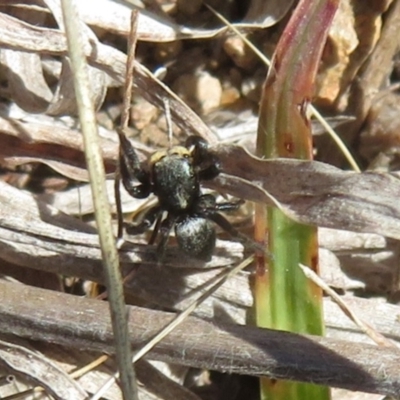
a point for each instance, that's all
(207, 205)
(129, 155)
(165, 229)
(227, 226)
(206, 164)
(156, 229)
(209, 208)
(146, 223)
(229, 205)
(199, 145)
(140, 191)
(224, 224)
(132, 170)
(210, 172)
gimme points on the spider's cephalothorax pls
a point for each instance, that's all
(174, 176)
(174, 179)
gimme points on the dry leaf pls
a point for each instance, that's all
(157, 27)
(314, 193)
(40, 371)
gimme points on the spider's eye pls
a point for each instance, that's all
(180, 151)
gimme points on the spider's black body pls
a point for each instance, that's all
(174, 177)
(175, 182)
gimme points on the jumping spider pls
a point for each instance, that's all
(174, 176)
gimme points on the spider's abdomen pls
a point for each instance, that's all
(196, 237)
(175, 183)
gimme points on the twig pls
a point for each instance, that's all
(366, 328)
(101, 205)
(202, 344)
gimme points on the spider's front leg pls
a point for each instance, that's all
(206, 164)
(132, 171)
